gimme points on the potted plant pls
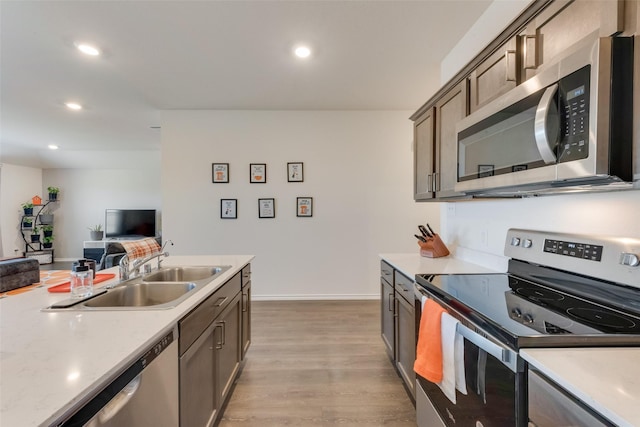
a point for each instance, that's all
(28, 208)
(47, 230)
(47, 242)
(96, 232)
(35, 235)
(27, 222)
(46, 217)
(53, 193)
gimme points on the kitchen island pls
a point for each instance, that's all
(51, 363)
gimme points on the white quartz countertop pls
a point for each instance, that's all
(51, 362)
(605, 379)
(411, 264)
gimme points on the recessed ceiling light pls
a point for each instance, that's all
(302, 52)
(73, 106)
(88, 49)
(53, 147)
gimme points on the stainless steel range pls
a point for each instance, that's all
(561, 290)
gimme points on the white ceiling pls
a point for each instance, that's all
(368, 55)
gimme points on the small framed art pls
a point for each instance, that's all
(220, 173)
(228, 208)
(266, 208)
(485, 171)
(304, 206)
(295, 172)
(257, 173)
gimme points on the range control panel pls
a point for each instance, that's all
(573, 249)
(614, 259)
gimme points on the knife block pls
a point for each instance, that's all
(433, 248)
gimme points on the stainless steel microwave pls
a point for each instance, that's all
(569, 127)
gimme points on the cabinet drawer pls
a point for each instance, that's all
(194, 323)
(386, 272)
(404, 287)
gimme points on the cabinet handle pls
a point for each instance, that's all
(224, 332)
(245, 306)
(510, 65)
(386, 272)
(430, 182)
(530, 54)
(220, 343)
(395, 305)
(219, 303)
(436, 182)
(390, 301)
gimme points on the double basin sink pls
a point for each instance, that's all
(161, 289)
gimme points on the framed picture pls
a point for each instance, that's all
(295, 172)
(266, 208)
(228, 208)
(304, 206)
(220, 172)
(485, 170)
(518, 168)
(258, 173)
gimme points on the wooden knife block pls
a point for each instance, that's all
(433, 248)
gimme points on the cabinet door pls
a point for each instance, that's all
(246, 317)
(198, 403)
(562, 24)
(387, 315)
(228, 347)
(423, 153)
(406, 343)
(449, 110)
(494, 76)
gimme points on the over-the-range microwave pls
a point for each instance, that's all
(570, 127)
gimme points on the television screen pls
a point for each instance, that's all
(130, 222)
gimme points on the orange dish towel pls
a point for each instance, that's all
(141, 248)
(429, 351)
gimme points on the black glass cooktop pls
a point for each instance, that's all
(539, 306)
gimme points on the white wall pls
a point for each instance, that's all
(86, 193)
(482, 226)
(18, 185)
(357, 167)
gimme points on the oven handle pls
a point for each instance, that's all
(483, 343)
(500, 353)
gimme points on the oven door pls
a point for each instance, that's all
(494, 379)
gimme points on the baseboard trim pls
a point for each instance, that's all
(319, 297)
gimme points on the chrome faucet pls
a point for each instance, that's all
(126, 274)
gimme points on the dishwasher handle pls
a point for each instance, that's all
(120, 400)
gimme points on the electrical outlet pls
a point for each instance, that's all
(484, 238)
(451, 210)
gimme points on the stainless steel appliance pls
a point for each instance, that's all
(570, 125)
(561, 290)
(145, 394)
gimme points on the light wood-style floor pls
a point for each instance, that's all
(318, 363)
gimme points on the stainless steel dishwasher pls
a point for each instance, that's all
(145, 394)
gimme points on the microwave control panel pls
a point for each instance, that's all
(574, 116)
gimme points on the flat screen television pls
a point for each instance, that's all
(130, 223)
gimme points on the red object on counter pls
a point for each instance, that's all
(66, 286)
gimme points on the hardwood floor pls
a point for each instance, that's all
(317, 363)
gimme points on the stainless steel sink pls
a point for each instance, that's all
(142, 294)
(182, 274)
(162, 289)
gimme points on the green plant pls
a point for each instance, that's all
(27, 205)
(47, 228)
(27, 221)
(97, 227)
(53, 190)
(48, 239)
(36, 230)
